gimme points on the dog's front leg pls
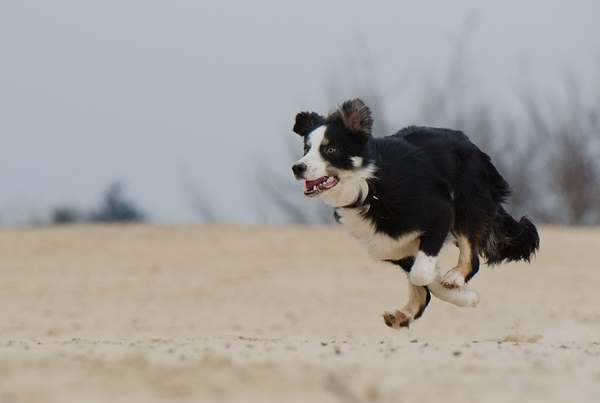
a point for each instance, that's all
(418, 299)
(424, 271)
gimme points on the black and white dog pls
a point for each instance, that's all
(404, 195)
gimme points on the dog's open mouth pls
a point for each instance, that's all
(314, 187)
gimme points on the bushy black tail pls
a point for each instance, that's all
(509, 240)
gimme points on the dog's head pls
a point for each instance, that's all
(335, 163)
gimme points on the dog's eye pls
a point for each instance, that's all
(330, 150)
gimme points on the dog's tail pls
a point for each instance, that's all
(507, 239)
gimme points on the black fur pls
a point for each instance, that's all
(436, 180)
(509, 240)
(307, 122)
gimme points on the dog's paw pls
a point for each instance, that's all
(471, 298)
(396, 320)
(453, 279)
(459, 296)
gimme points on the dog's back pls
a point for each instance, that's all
(478, 192)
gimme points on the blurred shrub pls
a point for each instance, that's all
(114, 206)
(65, 215)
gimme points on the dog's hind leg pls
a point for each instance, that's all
(418, 299)
(468, 264)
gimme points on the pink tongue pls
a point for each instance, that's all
(311, 184)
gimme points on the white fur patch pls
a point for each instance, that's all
(351, 186)
(357, 161)
(380, 246)
(424, 270)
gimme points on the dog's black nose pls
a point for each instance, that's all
(299, 169)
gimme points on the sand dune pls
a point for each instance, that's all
(243, 314)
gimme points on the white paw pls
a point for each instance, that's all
(461, 296)
(424, 271)
(453, 279)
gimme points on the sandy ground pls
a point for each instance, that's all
(237, 314)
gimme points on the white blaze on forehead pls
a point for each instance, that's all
(315, 138)
(316, 166)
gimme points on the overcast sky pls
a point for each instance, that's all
(157, 93)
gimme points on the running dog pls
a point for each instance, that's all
(403, 196)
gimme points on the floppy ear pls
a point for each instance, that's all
(306, 122)
(356, 116)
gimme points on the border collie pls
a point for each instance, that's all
(403, 196)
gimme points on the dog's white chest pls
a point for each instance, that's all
(380, 246)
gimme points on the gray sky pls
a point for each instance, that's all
(152, 92)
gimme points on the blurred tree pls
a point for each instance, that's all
(115, 207)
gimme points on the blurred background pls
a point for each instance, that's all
(181, 111)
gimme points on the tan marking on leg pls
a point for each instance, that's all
(455, 278)
(417, 301)
(464, 257)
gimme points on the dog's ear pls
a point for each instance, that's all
(356, 116)
(306, 122)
